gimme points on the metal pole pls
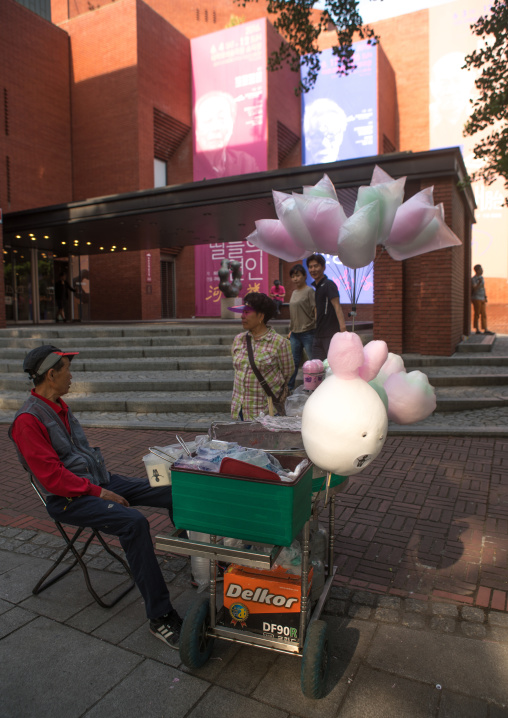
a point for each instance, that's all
(353, 307)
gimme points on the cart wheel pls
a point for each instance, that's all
(195, 646)
(315, 660)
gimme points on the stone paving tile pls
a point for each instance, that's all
(427, 519)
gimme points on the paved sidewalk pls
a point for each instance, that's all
(417, 615)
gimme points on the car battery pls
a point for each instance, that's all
(267, 602)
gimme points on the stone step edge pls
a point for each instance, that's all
(202, 424)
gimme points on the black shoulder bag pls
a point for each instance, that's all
(278, 402)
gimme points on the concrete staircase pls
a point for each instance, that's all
(179, 376)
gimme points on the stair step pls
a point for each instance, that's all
(220, 348)
(466, 379)
(159, 381)
(477, 343)
(136, 401)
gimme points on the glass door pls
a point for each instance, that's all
(46, 270)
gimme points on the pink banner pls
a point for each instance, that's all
(230, 138)
(229, 98)
(208, 258)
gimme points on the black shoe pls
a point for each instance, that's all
(487, 332)
(478, 331)
(167, 628)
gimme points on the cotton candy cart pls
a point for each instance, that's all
(266, 517)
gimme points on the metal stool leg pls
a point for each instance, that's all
(78, 559)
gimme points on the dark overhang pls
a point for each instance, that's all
(221, 210)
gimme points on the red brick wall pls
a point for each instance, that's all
(405, 42)
(419, 303)
(105, 100)
(35, 114)
(185, 283)
(115, 286)
(164, 81)
(213, 15)
(387, 102)
(284, 106)
(388, 301)
(34, 72)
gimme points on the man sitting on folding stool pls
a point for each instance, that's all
(80, 491)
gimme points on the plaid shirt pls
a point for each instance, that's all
(273, 358)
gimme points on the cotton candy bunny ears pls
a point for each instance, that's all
(408, 398)
(316, 222)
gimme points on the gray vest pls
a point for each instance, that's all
(72, 449)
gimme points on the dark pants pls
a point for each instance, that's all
(300, 341)
(131, 527)
(320, 347)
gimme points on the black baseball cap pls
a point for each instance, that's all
(40, 359)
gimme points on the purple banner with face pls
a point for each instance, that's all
(339, 115)
(229, 98)
(208, 258)
(230, 138)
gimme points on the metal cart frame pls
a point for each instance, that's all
(200, 626)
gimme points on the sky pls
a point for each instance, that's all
(372, 10)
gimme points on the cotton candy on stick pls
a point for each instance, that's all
(271, 236)
(323, 188)
(436, 235)
(410, 397)
(323, 218)
(358, 237)
(288, 213)
(389, 195)
(412, 217)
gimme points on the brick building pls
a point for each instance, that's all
(106, 90)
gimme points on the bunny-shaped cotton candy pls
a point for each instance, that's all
(410, 397)
(344, 422)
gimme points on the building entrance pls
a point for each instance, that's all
(30, 276)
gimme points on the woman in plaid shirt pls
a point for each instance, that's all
(272, 356)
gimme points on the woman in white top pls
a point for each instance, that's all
(302, 314)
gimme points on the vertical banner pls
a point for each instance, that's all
(229, 93)
(339, 114)
(208, 259)
(229, 100)
(451, 90)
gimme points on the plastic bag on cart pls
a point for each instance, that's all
(200, 566)
(296, 402)
(195, 463)
(290, 559)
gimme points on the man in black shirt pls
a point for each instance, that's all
(330, 318)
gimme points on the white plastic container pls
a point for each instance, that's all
(158, 470)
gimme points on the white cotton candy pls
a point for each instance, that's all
(323, 218)
(323, 188)
(272, 237)
(436, 235)
(288, 213)
(389, 195)
(410, 397)
(358, 237)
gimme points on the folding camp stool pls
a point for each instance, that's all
(78, 559)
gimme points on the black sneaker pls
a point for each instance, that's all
(488, 332)
(167, 628)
